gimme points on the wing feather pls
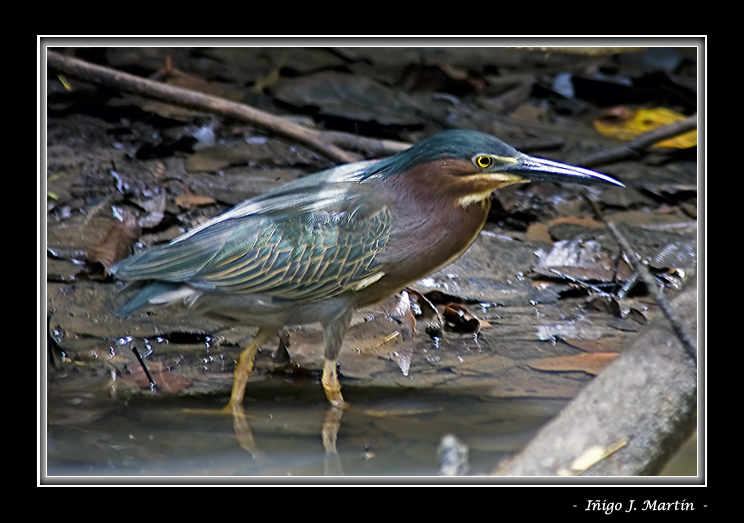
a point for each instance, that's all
(310, 239)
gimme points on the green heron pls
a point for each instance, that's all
(316, 248)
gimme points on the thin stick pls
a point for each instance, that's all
(195, 100)
(153, 385)
(684, 337)
(633, 148)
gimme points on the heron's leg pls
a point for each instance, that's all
(245, 366)
(333, 336)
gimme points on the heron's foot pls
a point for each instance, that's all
(331, 386)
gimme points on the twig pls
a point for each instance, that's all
(633, 148)
(153, 385)
(684, 337)
(638, 412)
(195, 100)
(372, 146)
(635, 260)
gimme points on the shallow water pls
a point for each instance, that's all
(378, 436)
(390, 433)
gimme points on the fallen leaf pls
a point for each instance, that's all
(189, 200)
(440, 298)
(626, 124)
(538, 232)
(459, 319)
(637, 316)
(591, 363)
(165, 380)
(594, 454)
(117, 242)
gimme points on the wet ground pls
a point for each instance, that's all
(504, 337)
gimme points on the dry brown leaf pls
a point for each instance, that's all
(117, 242)
(591, 363)
(459, 319)
(538, 232)
(441, 298)
(189, 201)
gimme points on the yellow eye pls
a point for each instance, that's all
(483, 161)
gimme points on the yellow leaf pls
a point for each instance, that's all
(594, 454)
(624, 123)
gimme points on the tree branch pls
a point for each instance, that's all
(187, 98)
(634, 416)
(634, 147)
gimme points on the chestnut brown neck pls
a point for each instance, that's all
(432, 228)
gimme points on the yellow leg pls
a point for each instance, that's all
(245, 366)
(333, 335)
(331, 386)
